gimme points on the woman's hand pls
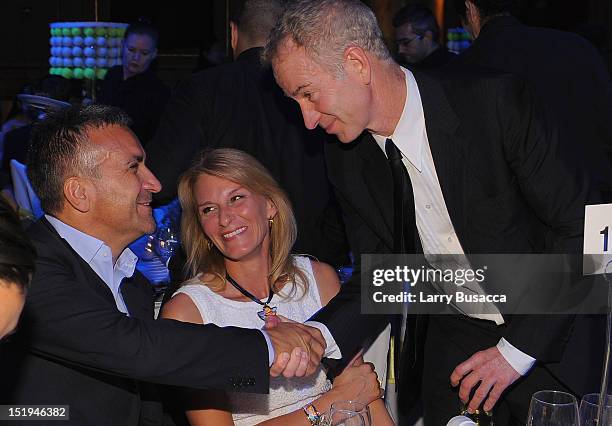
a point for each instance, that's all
(358, 382)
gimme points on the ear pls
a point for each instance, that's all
(357, 62)
(271, 209)
(233, 35)
(78, 194)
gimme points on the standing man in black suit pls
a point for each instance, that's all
(88, 338)
(239, 105)
(481, 174)
(565, 72)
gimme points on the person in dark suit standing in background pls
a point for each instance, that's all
(566, 73)
(88, 338)
(133, 85)
(417, 36)
(238, 105)
(457, 165)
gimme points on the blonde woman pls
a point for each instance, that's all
(238, 230)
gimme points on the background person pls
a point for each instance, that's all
(417, 36)
(548, 60)
(133, 86)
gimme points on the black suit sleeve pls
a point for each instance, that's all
(342, 315)
(66, 321)
(179, 137)
(557, 190)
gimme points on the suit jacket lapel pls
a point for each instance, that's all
(447, 148)
(95, 282)
(379, 183)
(134, 295)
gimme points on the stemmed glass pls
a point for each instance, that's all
(344, 409)
(553, 408)
(167, 241)
(341, 418)
(588, 410)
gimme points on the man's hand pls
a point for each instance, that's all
(491, 369)
(298, 348)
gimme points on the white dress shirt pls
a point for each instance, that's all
(99, 257)
(433, 221)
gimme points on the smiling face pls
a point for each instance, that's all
(120, 207)
(138, 52)
(340, 105)
(234, 218)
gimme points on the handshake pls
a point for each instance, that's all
(298, 348)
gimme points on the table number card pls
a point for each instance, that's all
(597, 238)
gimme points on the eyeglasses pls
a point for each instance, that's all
(407, 41)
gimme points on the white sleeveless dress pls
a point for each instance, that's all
(286, 395)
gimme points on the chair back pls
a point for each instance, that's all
(25, 196)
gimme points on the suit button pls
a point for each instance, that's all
(251, 381)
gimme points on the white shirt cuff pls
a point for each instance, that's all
(332, 350)
(517, 359)
(270, 348)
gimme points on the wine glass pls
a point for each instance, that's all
(352, 407)
(553, 408)
(588, 410)
(342, 418)
(167, 241)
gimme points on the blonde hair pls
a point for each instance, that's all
(241, 168)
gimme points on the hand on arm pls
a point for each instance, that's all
(358, 382)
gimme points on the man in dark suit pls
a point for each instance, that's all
(239, 105)
(88, 337)
(475, 167)
(566, 73)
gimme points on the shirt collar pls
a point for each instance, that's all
(409, 135)
(89, 248)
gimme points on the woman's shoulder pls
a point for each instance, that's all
(181, 308)
(324, 275)
(184, 304)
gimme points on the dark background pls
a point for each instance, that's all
(188, 29)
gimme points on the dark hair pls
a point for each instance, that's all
(256, 18)
(17, 254)
(489, 8)
(58, 149)
(143, 26)
(420, 18)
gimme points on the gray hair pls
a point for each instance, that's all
(325, 28)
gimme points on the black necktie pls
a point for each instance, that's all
(403, 202)
(408, 363)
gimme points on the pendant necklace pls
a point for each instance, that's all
(267, 311)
